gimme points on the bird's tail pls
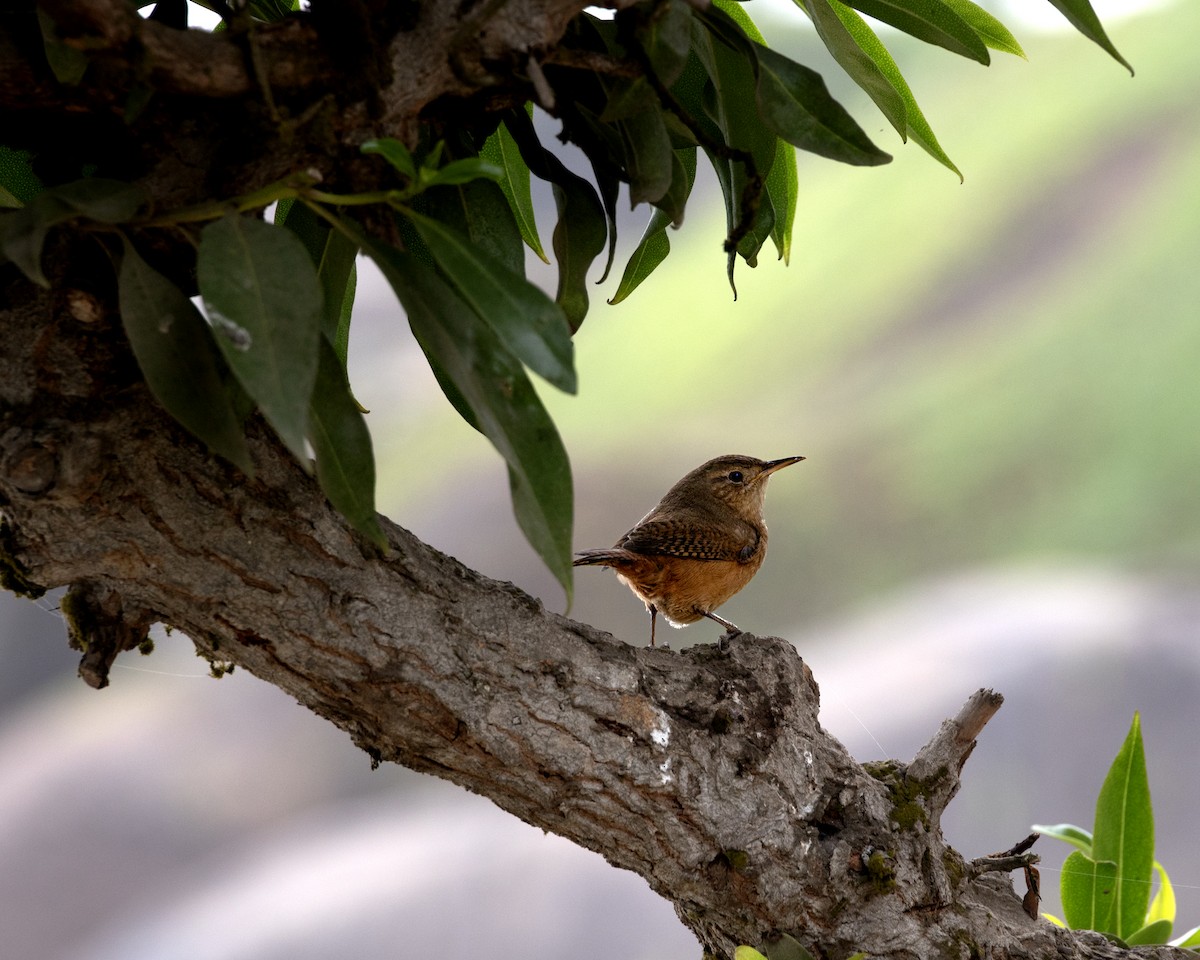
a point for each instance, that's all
(611, 557)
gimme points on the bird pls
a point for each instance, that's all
(704, 541)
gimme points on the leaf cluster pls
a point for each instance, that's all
(644, 94)
(1106, 880)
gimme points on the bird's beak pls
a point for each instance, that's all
(772, 465)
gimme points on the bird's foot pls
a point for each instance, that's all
(723, 639)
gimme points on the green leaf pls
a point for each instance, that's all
(654, 246)
(1082, 17)
(1088, 892)
(786, 947)
(651, 250)
(991, 31)
(648, 154)
(929, 20)
(581, 231)
(333, 255)
(866, 60)
(491, 384)
(501, 149)
(1162, 907)
(463, 171)
(23, 233)
(177, 356)
(67, 63)
(18, 183)
(342, 444)
(744, 952)
(1068, 833)
(666, 37)
(479, 213)
(795, 102)
(395, 153)
(783, 186)
(108, 201)
(263, 298)
(530, 324)
(1124, 832)
(1156, 932)
(1189, 940)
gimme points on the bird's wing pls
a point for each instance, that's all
(697, 538)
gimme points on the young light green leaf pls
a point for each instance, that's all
(501, 149)
(1157, 932)
(529, 323)
(263, 298)
(1082, 17)
(929, 20)
(394, 152)
(491, 384)
(991, 31)
(744, 952)
(1162, 907)
(342, 444)
(1068, 833)
(1189, 940)
(783, 186)
(1124, 832)
(1088, 892)
(177, 356)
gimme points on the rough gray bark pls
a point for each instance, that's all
(706, 772)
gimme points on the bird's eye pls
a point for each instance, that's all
(735, 476)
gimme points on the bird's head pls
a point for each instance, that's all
(736, 481)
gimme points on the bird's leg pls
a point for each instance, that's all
(731, 629)
(653, 619)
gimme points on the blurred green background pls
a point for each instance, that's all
(994, 384)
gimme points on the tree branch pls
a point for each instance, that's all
(706, 772)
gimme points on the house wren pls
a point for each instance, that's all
(700, 545)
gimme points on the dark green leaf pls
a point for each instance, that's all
(794, 102)
(783, 946)
(863, 56)
(479, 212)
(178, 358)
(1087, 892)
(666, 36)
(333, 255)
(581, 231)
(648, 155)
(491, 383)
(1124, 833)
(66, 62)
(342, 444)
(928, 20)
(501, 149)
(530, 324)
(263, 298)
(683, 177)
(108, 201)
(23, 233)
(1082, 17)
(395, 153)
